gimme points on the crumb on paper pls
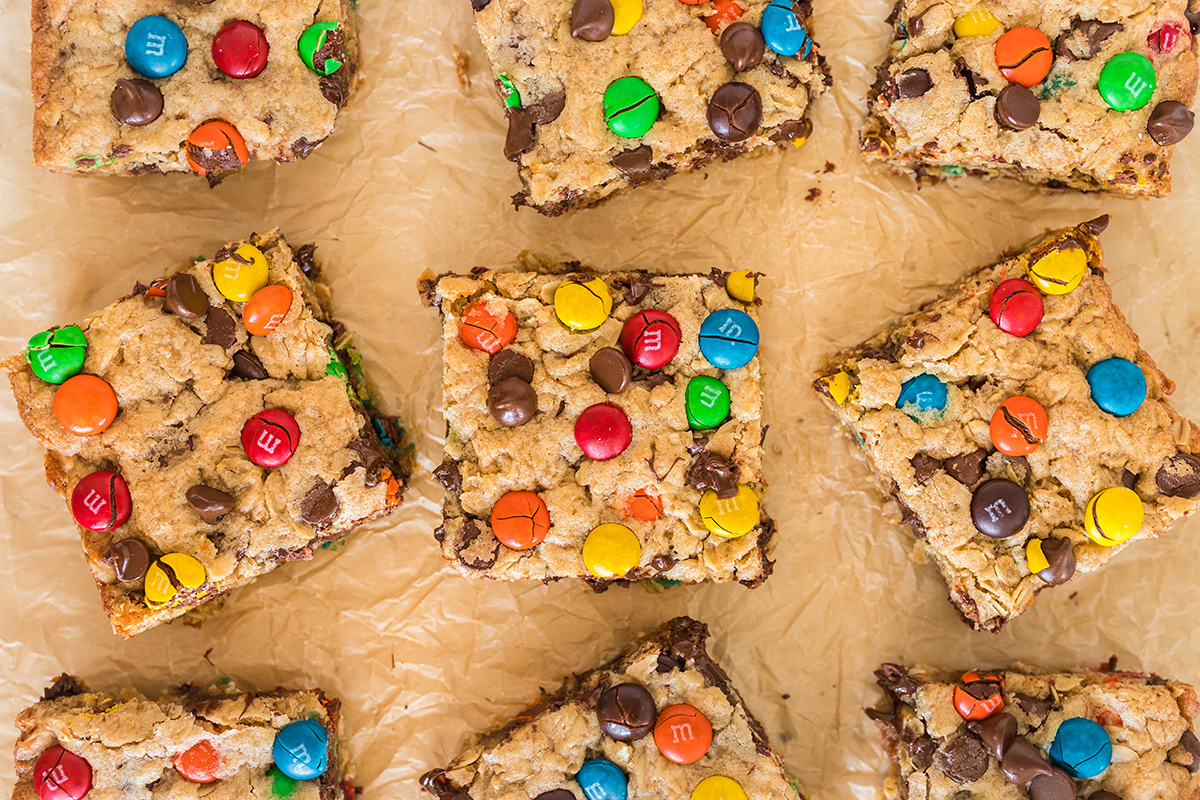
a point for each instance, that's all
(813, 194)
(829, 167)
(462, 68)
(427, 147)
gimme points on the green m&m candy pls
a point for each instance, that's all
(509, 91)
(707, 402)
(335, 367)
(57, 354)
(1127, 81)
(630, 107)
(318, 37)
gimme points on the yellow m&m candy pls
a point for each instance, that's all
(1061, 270)
(837, 385)
(740, 286)
(241, 273)
(1113, 516)
(169, 574)
(583, 306)
(718, 787)
(626, 15)
(733, 517)
(979, 22)
(611, 550)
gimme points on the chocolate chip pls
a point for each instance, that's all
(637, 165)
(247, 365)
(666, 663)
(136, 102)
(895, 680)
(449, 476)
(1061, 556)
(1096, 226)
(129, 558)
(916, 25)
(1179, 476)
(553, 794)
(479, 5)
(963, 760)
(967, 469)
(1035, 707)
(974, 80)
(508, 363)
(734, 112)
(1129, 479)
(303, 148)
(791, 131)
(1191, 745)
(64, 686)
(371, 459)
(713, 471)
(521, 122)
(924, 467)
(743, 46)
(320, 506)
(913, 83)
(1103, 795)
(335, 88)
(185, 298)
(592, 20)
(1022, 762)
(639, 286)
(611, 370)
(211, 504)
(1058, 785)
(1084, 38)
(999, 508)
(476, 548)
(221, 329)
(306, 259)
(1193, 18)
(1170, 123)
(1017, 108)
(512, 402)
(626, 712)
(997, 732)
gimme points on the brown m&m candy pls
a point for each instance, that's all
(999, 508)
(1017, 108)
(683, 734)
(270, 437)
(1016, 307)
(520, 520)
(626, 712)
(650, 338)
(129, 558)
(136, 102)
(603, 431)
(1019, 426)
(978, 695)
(735, 112)
(610, 370)
(101, 501)
(512, 402)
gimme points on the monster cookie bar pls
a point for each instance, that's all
(126, 87)
(604, 427)
(193, 742)
(1088, 95)
(602, 95)
(660, 720)
(1100, 735)
(206, 429)
(1024, 434)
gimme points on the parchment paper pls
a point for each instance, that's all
(415, 179)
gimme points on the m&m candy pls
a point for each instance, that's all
(200, 763)
(645, 504)
(601, 779)
(216, 145)
(650, 338)
(1018, 426)
(1113, 516)
(729, 338)
(1081, 747)
(723, 11)
(241, 273)
(170, 574)
(85, 405)
(740, 284)
(999, 508)
(603, 431)
(485, 329)
(682, 733)
(719, 787)
(921, 394)
(1016, 307)
(626, 712)
(301, 749)
(837, 385)
(631, 107)
(267, 309)
(57, 354)
(520, 520)
(320, 47)
(1060, 270)
(611, 370)
(979, 695)
(270, 437)
(582, 306)
(611, 551)
(783, 31)
(101, 501)
(626, 14)
(1118, 386)
(731, 517)
(1127, 81)
(156, 47)
(706, 403)
(1024, 56)
(240, 49)
(59, 774)
(979, 22)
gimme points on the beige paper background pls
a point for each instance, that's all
(415, 179)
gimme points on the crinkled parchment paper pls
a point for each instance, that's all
(415, 179)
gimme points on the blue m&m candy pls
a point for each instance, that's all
(156, 47)
(601, 779)
(782, 30)
(926, 392)
(1118, 386)
(729, 338)
(300, 749)
(1082, 748)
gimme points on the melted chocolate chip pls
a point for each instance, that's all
(475, 548)
(713, 471)
(611, 370)
(211, 504)
(184, 296)
(626, 712)
(1058, 785)
(1096, 226)
(1170, 123)
(895, 680)
(508, 363)
(129, 558)
(247, 365)
(921, 750)
(639, 286)
(967, 469)
(963, 760)
(522, 122)
(136, 102)
(371, 459)
(913, 83)
(320, 506)
(637, 165)
(1061, 556)
(449, 476)
(997, 732)
(335, 88)
(1129, 479)
(735, 112)
(1017, 108)
(792, 130)
(221, 328)
(1084, 38)
(743, 46)
(64, 686)
(1191, 745)
(1022, 762)
(1036, 708)
(1179, 476)
(592, 20)
(512, 402)
(924, 467)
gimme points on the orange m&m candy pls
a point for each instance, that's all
(682, 733)
(216, 145)
(200, 763)
(483, 330)
(85, 405)
(645, 505)
(520, 520)
(1019, 426)
(978, 695)
(267, 309)
(1024, 56)
(723, 11)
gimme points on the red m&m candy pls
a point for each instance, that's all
(603, 431)
(651, 338)
(240, 49)
(101, 501)
(61, 775)
(1016, 307)
(200, 763)
(483, 330)
(682, 734)
(270, 437)
(267, 309)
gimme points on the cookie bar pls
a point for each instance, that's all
(660, 720)
(1024, 434)
(1091, 96)
(602, 426)
(603, 95)
(136, 86)
(192, 742)
(1098, 734)
(206, 429)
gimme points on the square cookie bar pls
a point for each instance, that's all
(1020, 428)
(602, 426)
(602, 95)
(135, 86)
(1087, 95)
(660, 720)
(206, 429)
(1098, 734)
(192, 742)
